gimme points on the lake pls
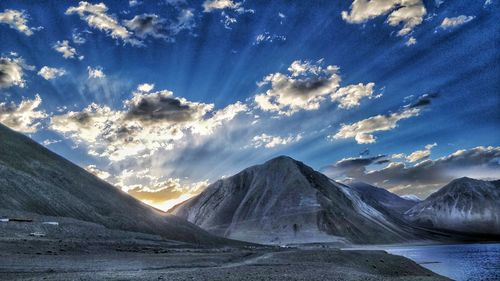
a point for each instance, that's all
(462, 262)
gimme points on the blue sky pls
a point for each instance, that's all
(162, 97)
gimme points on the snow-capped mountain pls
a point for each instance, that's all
(284, 201)
(464, 205)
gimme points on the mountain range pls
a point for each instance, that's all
(282, 201)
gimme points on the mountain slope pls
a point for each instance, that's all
(465, 205)
(285, 201)
(33, 179)
(380, 198)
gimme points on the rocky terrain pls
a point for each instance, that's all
(32, 258)
(464, 205)
(284, 201)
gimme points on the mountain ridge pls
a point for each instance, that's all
(34, 179)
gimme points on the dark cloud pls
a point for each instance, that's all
(147, 25)
(161, 107)
(424, 177)
(424, 100)
(365, 152)
(11, 72)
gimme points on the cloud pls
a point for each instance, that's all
(420, 154)
(305, 87)
(269, 141)
(148, 122)
(96, 72)
(66, 50)
(48, 142)
(230, 9)
(409, 13)
(133, 3)
(97, 172)
(136, 29)
(185, 21)
(411, 41)
(350, 96)
(147, 25)
(481, 162)
(210, 5)
(362, 131)
(23, 117)
(456, 21)
(157, 191)
(95, 15)
(12, 72)
(162, 106)
(17, 20)
(145, 87)
(49, 73)
(268, 37)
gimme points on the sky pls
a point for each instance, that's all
(162, 98)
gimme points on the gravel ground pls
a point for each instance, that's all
(32, 258)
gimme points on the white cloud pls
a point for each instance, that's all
(48, 142)
(210, 5)
(269, 141)
(185, 21)
(77, 37)
(420, 154)
(12, 72)
(398, 156)
(268, 37)
(409, 13)
(456, 21)
(229, 10)
(133, 3)
(66, 50)
(350, 96)
(97, 172)
(362, 131)
(411, 41)
(145, 87)
(17, 20)
(51, 72)
(305, 87)
(23, 117)
(95, 15)
(96, 72)
(147, 123)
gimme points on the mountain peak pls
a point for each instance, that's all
(282, 159)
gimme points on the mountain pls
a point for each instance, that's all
(411, 197)
(384, 199)
(464, 205)
(36, 180)
(284, 201)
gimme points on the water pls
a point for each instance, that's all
(462, 262)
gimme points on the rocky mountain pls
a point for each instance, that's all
(465, 205)
(284, 201)
(36, 180)
(380, 198)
